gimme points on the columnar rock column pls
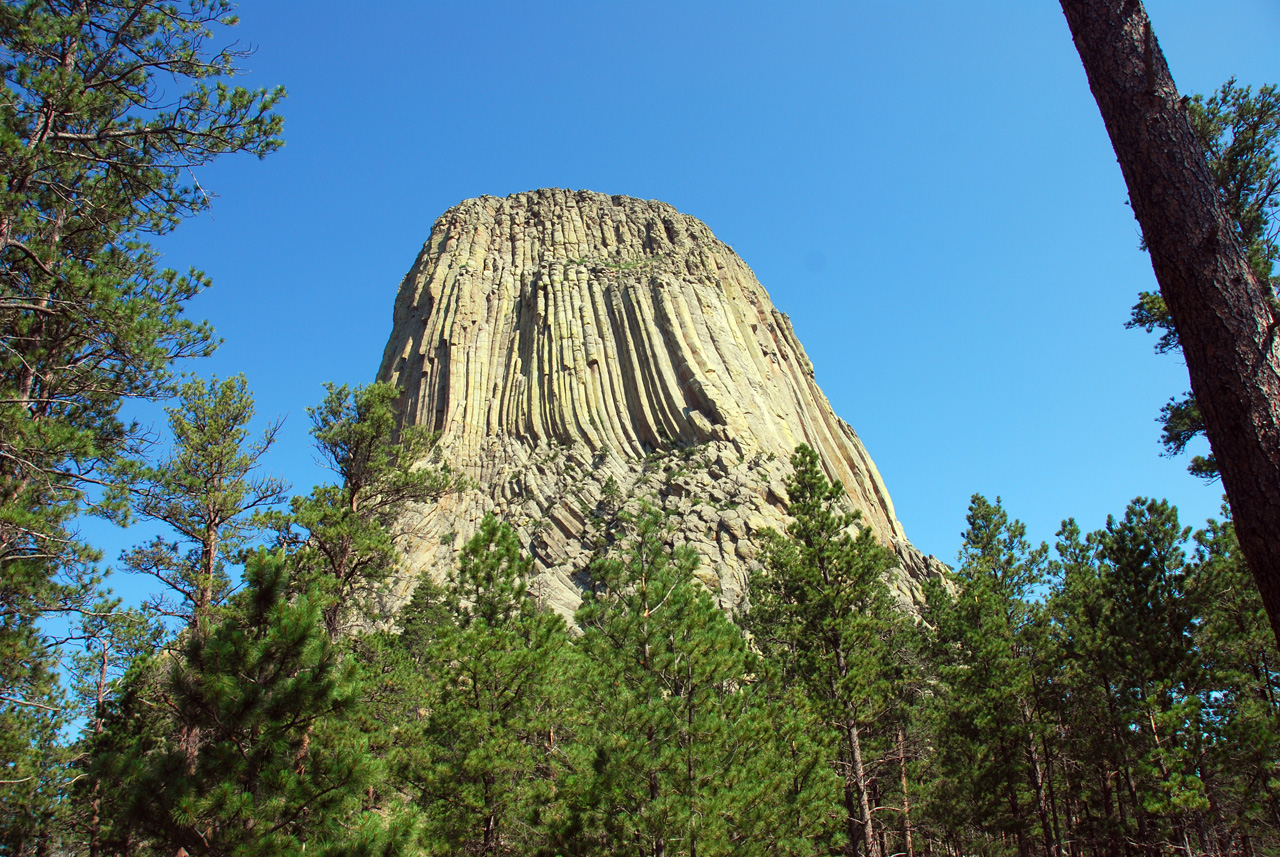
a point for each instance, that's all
(578, 352)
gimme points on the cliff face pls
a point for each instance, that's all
(579, 352)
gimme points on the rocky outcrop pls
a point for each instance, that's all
(579, 352)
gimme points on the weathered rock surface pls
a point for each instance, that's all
(580, 352)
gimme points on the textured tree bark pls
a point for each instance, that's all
(1223, 314)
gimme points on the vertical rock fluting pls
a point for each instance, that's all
(578, 353)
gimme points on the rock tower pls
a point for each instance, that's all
(579, 353)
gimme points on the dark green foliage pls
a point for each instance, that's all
(1239, 691)
(684, 756)
(823, 614)
(661, 666)
(96, 146)
(277, 765)
(106, 107)
(477, 701)
(650, 728)
(1121, 698)
(1181, 423)
(984, 709)
(204, 492)
(1119, 701)
(262, 745)
(1239, 132)
(1124, 628)
(351, 528)
(492, 578)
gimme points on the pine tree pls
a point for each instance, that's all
(1240, 694)
(96, 154)
(476, 745)
(682, 757)
(279, 766)
(205, 491)
(1132, 712)
(821, 609)
(113, 639)
(984, 770)
(1129, 669)
(351, 529)
(107, 105)
(1144, 691)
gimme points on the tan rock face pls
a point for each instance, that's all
(579, 353)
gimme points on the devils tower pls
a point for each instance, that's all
(580, 353)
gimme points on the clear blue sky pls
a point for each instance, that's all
(925, 187)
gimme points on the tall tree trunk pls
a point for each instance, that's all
(1117, 826)
(1223, 314)
(854, 742)
(1024, 850)
(489, 840)
(659, 844)
(1037, 776)
(95, 793)
(852, 825)
(864, 798)
(1049, 759)
(906, 799)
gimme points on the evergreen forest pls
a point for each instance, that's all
(1114, 694)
